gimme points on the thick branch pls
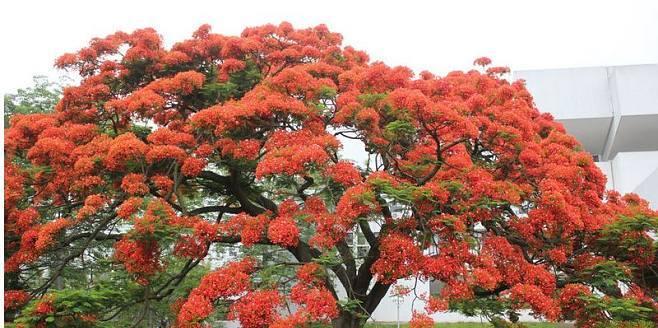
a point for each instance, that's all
(214, 209)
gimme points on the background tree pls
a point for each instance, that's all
(160, 157)
(39, 98)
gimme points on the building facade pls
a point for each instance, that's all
(613, 112)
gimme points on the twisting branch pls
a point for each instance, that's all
(308, 182)
(58, 271)
(214, 209)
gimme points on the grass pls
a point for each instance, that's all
(464, 325)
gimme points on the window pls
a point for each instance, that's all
(362, 251)
(435, 287)
(350, 238)
(357, 243)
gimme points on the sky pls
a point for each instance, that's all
(439, 36)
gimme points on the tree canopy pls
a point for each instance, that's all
(39, 98)
(160, 158)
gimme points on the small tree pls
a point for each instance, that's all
(160, 157)
(39, 98)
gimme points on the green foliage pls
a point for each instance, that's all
(39, 98)
(399, 130)
(350, 305)
(619, 308)
(237, 85)
(605, 275)
(452, 186)
(372, 99)
(486, 307)
(328, 259)
(612, 243)
(158, 313)
(326, 92)
(625, 324)
(141, 131)
(72, 306)
(403, 192)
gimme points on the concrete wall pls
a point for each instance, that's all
(631, 169)
(388, 308)
(649, 189)
(608, 109)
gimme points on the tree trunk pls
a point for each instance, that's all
(359, 316)
(347, 320)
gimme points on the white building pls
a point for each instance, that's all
(613, 112)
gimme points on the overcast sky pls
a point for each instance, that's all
(438, 37)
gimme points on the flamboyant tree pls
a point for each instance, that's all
(160, 157)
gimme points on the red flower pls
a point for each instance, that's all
(133, 184)
(316, 301)
(15, 299)
(163, 183)
(125, 148)
(419, 320)
(45, 306)
(48, 232)
(482, 61)
(435, 304)
(257, 309)
(230, 280)
(129, 207)
(161, 153)
(344, 173)
(283, 231)
(192, 166)
(309, 273)
(538, 301)
(399, 258)
(452, 161)
(139, 257)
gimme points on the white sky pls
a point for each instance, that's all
(437, 36)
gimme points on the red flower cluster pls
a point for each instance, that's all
(129, 207)
(15, 299)
(251, 229)
(420, 320)
(344, 173)
(283, 231)
(133, 184)
(257, 309)
(330, 228)
(435, 304)
(399, 258)
(35, 241)
(45, 306)
(244, 149)
(139, 257)
(158, 214)
(93, 204)
(192, 166)
(195, 245)
(316, 301)
(124, 149)
(292, 153)
(538, 301)
(230, 280)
